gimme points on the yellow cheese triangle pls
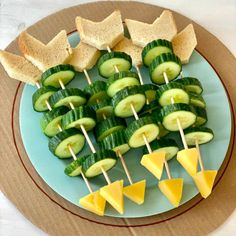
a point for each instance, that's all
(136, 192)
(204, 181)
(93, 202)
(154, 162)
(188, 158)
(113, 193)
(172, 189)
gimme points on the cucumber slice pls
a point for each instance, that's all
(154, 49)
(166, 62)
(75, 167)
(201, 116)
(51, 119)
(108, 126)
(172, 90)
(144, 126)
(92, 164)
(150, 91)
(40, 97)
(191, 84)
(202, 134)
(197, 100)
(58, 144)
(149, 108)
(121, 80)
(107, 62)
(103, 109)
(157, 116)
(96, 92)
(184, 112)
(63, 97)
(51, 77)
(115, 141)
(124, 98)
(82, 115)
(168, 145)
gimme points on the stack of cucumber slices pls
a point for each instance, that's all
(105, 105)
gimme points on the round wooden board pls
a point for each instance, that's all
(44, 208)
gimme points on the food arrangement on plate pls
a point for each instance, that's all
(168, 104)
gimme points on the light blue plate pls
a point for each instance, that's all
(51, 169)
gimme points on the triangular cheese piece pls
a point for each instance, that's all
(205, 181)
(188, 158)
(113, 193)
(101, 34)
(84, 57)
(163, 27)
(93, 202)
(184, 43)
(57, 51)
(154, 162)
(19, 68)
(127, 46)
(172, 189)
(136, 192)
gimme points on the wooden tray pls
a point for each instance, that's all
(44, 208)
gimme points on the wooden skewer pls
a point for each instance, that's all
(105, 175)
(139, 74)
(87, 77)
(199, 155)
(69, 147)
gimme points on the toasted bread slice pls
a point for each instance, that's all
(142, 33)
(184, 43)
(126, 45)
(57, 51)
(101, 34)
(84, 57)
(19, 68)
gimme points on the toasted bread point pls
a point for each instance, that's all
(19, 68)
(101, 34)
(57, 51)
(184, 43)
(126, 45)
(84, 57)
(163, 27)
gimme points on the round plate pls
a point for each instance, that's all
(51, 169)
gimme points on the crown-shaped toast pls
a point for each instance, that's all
(101, 34)
(84, 57)
(55, 52)
(163, 27)
(17, 67)
(126, 45)
(184, 43)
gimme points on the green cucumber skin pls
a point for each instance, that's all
(95, 87)
(124, 93)
(97, 107)
(51, 115)
(56, 69)
(186, 81)
(166, 110)
(150, 108)
(74, 165)
(111, 55)
(198, 97)
(101, 104)
(201, 113)
(62, 94)
(198, 129)
(161, 143)
(95, 157)
(165, 57)
(153, 44)
(76, 114)
(113, 140)
(58, 138)
(147, 88)
(106, 125)
(136, 124)
(37, 94)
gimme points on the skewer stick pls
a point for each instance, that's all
(84, 178)
(199, 154)
(105, 175)
(139, 74)
(87, 76)
(177, 120)
(125, 167)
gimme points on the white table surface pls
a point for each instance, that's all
(218, 17)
